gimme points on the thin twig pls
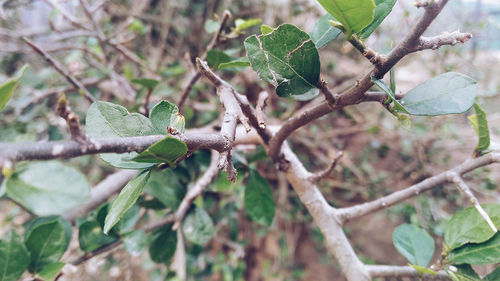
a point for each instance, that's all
(259, 109)
(196, 190)
(72, 120)
(317, 176)
(464, 188)
(73, 81)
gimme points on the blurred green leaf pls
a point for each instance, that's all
(259, 201)
(146, 82)
(288, 59)
(46, 244)
(9, 86)
(354, 15)
(462, 272)
(242, 24)
(48, 188)
(165, 114)
(14, 257)
(468, 226)
(216, 57)
(212, 26)
(198, 227)
(135, 242)
(125, 200)
(165, 186)
(68, 228)
(163, 244)
(414, 243)
(493, 276)
(241, 62)
(50, 271)
(91, 236)
(323, 32)
(383, 9)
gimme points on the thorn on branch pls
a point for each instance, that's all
(261, 105)
(445, 38)
(58, 67)
(76, 131)
(330, 97)
(465, 189)
(319, 175)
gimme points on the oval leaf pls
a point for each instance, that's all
(167, 150)
(483, 253)
(68, 228)
(14, 257)
(108, 120)
(198, 227)
(448, 93)
(259, 201)
(50, 271)
(163, 244)
(48, 188)
(216, 57)
(354, 15)
(135, 242)
(90, 236)
(8, 88)
(468, 226)
(165, 114)
(165, 186)
(383, 9)
(46, 244)
(286, 58)
(125, 200)
(323, 32)
(241, 62)
(414, 243)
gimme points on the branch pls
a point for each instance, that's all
(196, 190)
(111, 185)
(73, 81)
(261, 105)
(72, 120)
(316, 177)
(216, 40)
(402, 271)
(357, 93)
(445, 38)
(68, 149)
(348, 213)
(464, 188)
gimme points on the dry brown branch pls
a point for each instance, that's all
(72, 120)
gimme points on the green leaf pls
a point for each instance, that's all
(165, 114)
(483, 253)
(414, 243)
(46, 244)
(241, 62)
(323, 32)
(167, 150)
(165, 186)
(212, 26)
(14, 257)
(50, 271)
(91, 237)
(288, 59)
(216, 57)
(8, 88)
(68, 228)
(448, 93)
(198, 227)
(48, 188)
(382, 86)
(146, 82)
(493, 276)
(259, 201)
(354, 15)
(383, 9)
(462, 272)
(468, 226)
(108, 120)
(135, 242)
(163, 244)
(242, 24)
(125, 200)
(266, 29)
(480, 124)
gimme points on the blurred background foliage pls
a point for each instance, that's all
(381, 155)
